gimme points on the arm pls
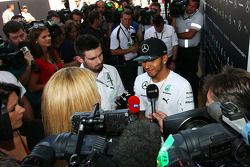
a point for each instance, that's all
(175, 51)
(195, 27)
(25, 76)
(132, 49)
(139, 33)
(172, 64)
(115, 46)
(186, 100)
(34, 86)
(187, 35)
(174, 44)
(137, 87)
(160, 117)
(174, 23)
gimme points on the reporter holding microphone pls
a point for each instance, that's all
(175, 92)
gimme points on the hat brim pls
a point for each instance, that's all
(145, 58)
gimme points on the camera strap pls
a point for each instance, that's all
(75, 158)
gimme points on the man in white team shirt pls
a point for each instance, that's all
(175, 92)
(167, 34)
(108, 79)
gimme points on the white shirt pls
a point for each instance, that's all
(175, 94)
(168, 36)
(28, 17)
(7, 15)
(185, 23)
(109, 85)
(124, 38)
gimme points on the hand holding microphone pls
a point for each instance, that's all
(160, 117)
(28, 56)
(26, 53)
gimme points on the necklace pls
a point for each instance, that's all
(159, 85)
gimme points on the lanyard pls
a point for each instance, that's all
(111, 87)
(157, 35)
(128, 37)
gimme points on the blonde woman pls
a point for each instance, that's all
(69, 90)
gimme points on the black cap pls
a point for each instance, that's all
(151, 49)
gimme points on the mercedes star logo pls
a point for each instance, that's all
(144, 48)
(145, 85)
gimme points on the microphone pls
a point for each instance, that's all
(134, 104)
(23, 47)
(138, 134)
(152, 93)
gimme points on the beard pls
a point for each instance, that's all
(95, 69)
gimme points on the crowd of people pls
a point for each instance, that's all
(72, 61)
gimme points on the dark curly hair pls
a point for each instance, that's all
(138, 145)
(6, 89)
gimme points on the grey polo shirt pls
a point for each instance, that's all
(185, 23)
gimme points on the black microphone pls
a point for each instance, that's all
(135, 136)
(152, 93)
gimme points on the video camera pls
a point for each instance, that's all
(96, 132)
(208, 143)
(86, 9)
(64, 15)
(110, 123)
(112, 15)
(9, 58)
(177, 8)
(146, 16)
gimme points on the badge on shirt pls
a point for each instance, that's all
(109, 79)
(129, 45)
(167, 88)
(144, 85)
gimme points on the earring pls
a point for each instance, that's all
(164, 62)
(36, 42)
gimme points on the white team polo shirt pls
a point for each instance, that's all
(168, 36)
(109, 85)
(125, 40)
(175, 94)
(185, 23)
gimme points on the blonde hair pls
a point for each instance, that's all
(69, 90)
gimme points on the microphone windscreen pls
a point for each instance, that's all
(134, 104)
(152, 91)
(214, 110)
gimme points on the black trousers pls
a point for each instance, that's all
(187, 66)
(128, 72)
